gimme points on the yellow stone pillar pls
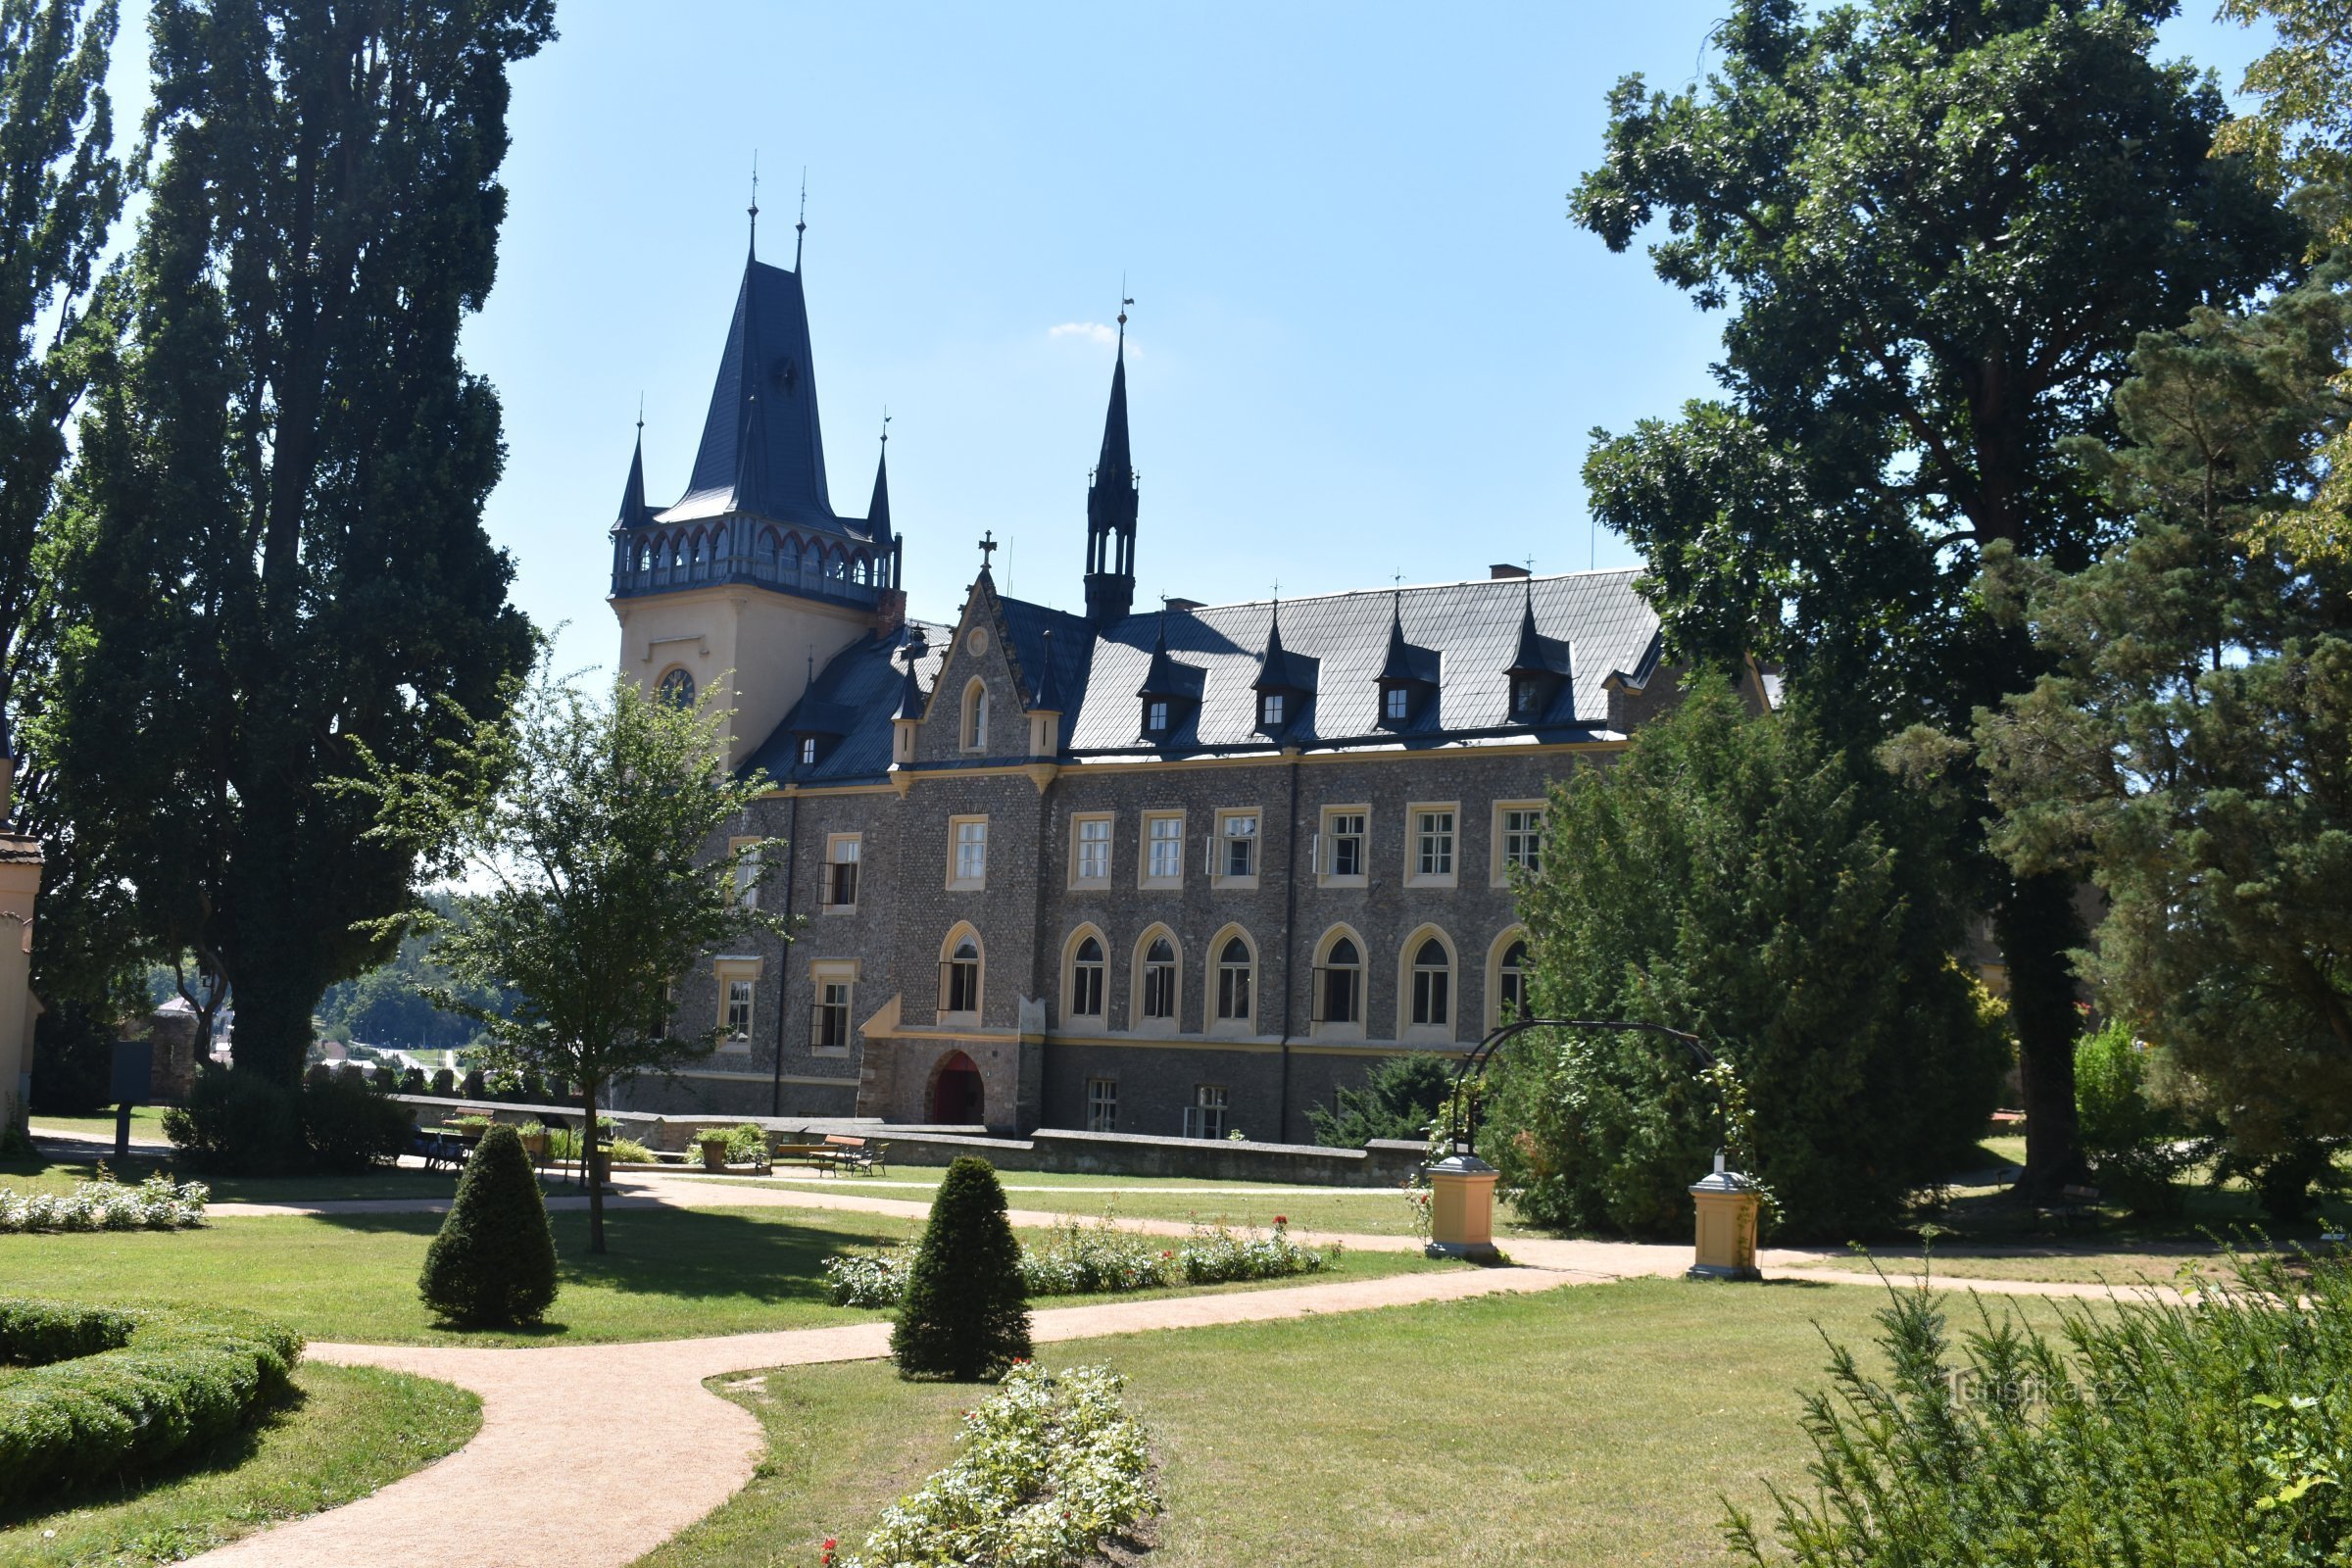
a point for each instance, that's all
(1462, 1209)
(1728, 1207)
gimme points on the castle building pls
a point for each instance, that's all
(1185, 869)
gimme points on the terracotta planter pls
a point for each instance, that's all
(535, 1144)
(714, 1153)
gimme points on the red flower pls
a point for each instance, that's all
(1282, 1219)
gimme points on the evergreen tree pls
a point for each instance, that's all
(282, 560)
(494, 1261)
(1939, 228)
(1742, 879)
(1401, 1096)
(964, 1314)
(2192, 749)
(603, 843)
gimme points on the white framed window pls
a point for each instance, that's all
(1163, 849)
(746, 872)
(967, 852)
(960, 964)
(738, 983)
(1397, 703)
(975, 716)
(809, 751)
(1518, 839)
(1233, 851)
(1156, 716)
(832, 987)
(1235, 1001)
(1527, 698)
(1429, 844)
(1432, 985)
(1090, 850)
(1089, 968)
(1270, 706)
(1156, 972)
(1205, 1117)
(1101, 1104)
(1343, 850)
(837, 891)
(1337, 986)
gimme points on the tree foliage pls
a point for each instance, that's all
(964, 1314)
(1939, 228)
(392, 1004)
(597, 828)
(1400, 1096)
(1738, 878)
(2191, 749)
(282, 558)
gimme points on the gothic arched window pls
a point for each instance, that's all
(1510, 980)
(959, 978)
(1159, 979)
(1236, 972)
(1086, 980)
(1433, 985)
(1340, 983)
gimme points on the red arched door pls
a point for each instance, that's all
(956, 1097)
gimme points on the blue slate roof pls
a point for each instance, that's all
(763, 451)
(1463, 637)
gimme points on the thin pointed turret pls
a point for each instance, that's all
(633, 494)
(1112, 506)
(877, 511)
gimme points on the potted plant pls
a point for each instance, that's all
(715, 1151)
(534, 1139)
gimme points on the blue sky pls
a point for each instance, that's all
(1366, 339)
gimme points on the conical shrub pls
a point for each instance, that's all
(494, 1261)
(964, 1314)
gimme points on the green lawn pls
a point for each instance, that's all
(56, 1175)
(348, 1432)
(670, 1273)
(1587, 1425)
(146, 1121)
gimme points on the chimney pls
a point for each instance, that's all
(1184, 606)
(1505, 571)
(890, 611)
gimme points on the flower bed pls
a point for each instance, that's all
(1051, 1468)
(106, 1204)
(1078, 1259)
(89, 1393)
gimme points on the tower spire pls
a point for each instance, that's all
(877, 511)
(1112, 502)
(800, 230)
(754, 209)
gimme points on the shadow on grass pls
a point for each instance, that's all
(228, 1452)
(690, 1253)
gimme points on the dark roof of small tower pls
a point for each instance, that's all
(1279, 670)
(1406, 663)
(911, 686)
(1045, 697)
(1535, 653)
(1116, 463)
(763, 450)
(877, 511)
(633, 494)
(1165, 678)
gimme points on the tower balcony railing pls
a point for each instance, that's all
(859, 583)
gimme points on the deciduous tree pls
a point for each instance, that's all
(1938, 227)
(602, 849)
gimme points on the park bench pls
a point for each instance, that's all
(438, 1150)
(816, 1156)
(864, 1155)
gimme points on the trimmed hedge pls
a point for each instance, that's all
(494, 1260)
(90, 1394)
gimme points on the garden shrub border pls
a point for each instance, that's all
(94, 1393)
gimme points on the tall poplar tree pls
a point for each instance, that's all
(284, 480)
(1939, 227)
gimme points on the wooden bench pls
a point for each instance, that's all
(816, 1156)
(861, 1154)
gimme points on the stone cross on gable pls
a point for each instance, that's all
(988, 548)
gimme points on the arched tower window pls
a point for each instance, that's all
(975, 716)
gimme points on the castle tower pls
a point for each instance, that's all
(750, 580)
(1110, 508)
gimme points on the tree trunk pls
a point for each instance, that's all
(273, 1023)
(2036, 925)
(592, 1164)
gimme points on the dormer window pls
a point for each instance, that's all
(1155, 716)
(808, 752)
(1269, 711)
(1527, 698)
(1396, 704)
